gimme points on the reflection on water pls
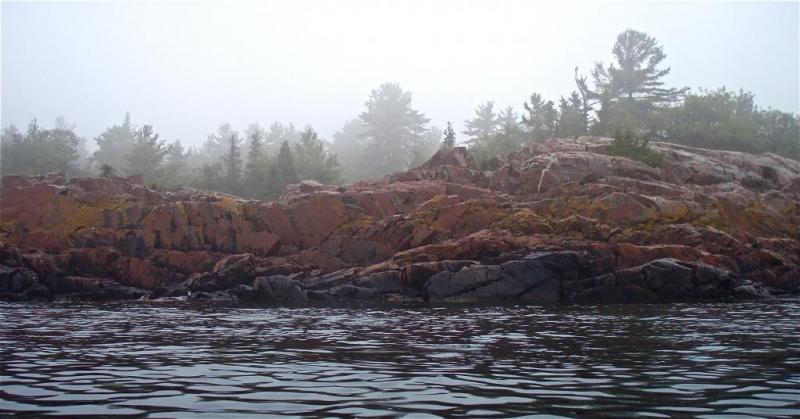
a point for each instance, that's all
(209, 361)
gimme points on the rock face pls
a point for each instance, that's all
(558, 221)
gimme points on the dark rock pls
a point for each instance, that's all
(279, 289)
(750, 292)
(385, 282)
(667, 278)
(351, 292)
(321, 296)
(536, 279)
(416, 274)
(16, 280)
(448, 284)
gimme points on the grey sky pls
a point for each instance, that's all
(186, 67)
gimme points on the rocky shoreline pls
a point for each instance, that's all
(557, 222)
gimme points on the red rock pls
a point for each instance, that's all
(732, 210)
(455, 156)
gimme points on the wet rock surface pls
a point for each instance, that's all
(559, 221)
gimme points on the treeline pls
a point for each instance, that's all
(388, 136)
(257, 166)
(627, 96)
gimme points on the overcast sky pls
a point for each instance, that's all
(185, 67)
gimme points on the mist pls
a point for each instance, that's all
(186, 67)
(405, 208)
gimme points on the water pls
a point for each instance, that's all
(172, 360)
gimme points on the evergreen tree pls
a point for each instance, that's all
(637, 74)
(571, 122)
(147, 154)
(38, 151)
(114, 145)
(449, 139)
(232, 166)
(425, 147)
(278, 133)
(484, 124)
(107, 171)
(507, 139)
(588, 100)
(349, 147)
(632, 91)
(510, 137)
(256, 168)
(217, 144)
(287, 173)
(274, 188)
(541, 118)
(312, 159)
(176, 167)
(391, 128)
(209, 176)
(65, 132)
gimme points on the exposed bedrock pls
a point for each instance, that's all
(557, 222)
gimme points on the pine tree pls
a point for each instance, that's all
(278, 133)
(541, 118)
(114, 144)
(147, 154)
(631, 92)
(510, 137)
(232, 165)
(275, 185)
(175, 169)
(38, 151)
(107, 171)
(348, 147)
(449, 139)
(425, 147)
(256, 168)
(588, 100)
(312, 159)
(217, 144)
(636, 74)
(391, 128)
(571, 121)
(287, 173)
(209, 176)
(484, 124)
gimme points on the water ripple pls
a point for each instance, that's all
(160, 360)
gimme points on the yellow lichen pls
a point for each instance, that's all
(229, 204)
(75, 215)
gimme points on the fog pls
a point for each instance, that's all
(185, 67)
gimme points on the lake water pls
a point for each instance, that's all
(183, 360)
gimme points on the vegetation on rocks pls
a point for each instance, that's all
(391, 135)
(627, 144)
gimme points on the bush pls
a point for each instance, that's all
(627, 144)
